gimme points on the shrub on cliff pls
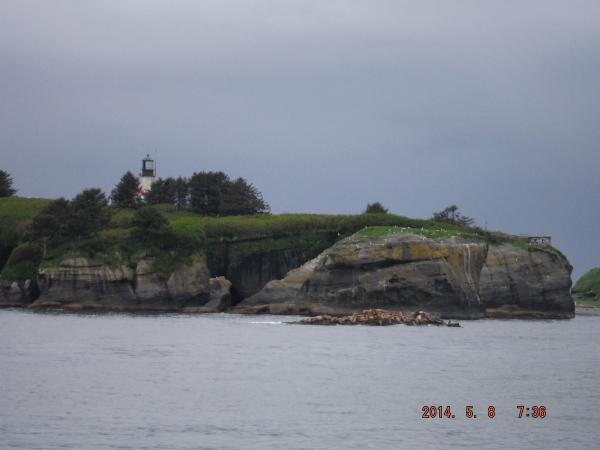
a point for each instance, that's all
(375, 208)
(50, 224)
(151, 227)
(6, 184)
(149, 219)
(22, 263)
(78, 219)
(452, 215)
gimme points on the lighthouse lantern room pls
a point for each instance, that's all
(147, 176)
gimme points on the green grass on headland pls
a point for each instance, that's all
(18, 212)
(593, 302)
(248, 233)
(15, 215)
(587, 289)
(590, 281)
(264, 226)
(433, 232)
(237, 228)
(21, 208)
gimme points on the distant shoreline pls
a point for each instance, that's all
(587, 310)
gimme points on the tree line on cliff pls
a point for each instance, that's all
(205, 193)
(6, 184)
(91, 211)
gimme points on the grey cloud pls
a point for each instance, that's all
(323, 105)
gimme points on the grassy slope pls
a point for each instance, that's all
(240, 228)
(433, 231)
(590, 281)
(21, 208)
(235, 236)
(241, 235)
(15, 214)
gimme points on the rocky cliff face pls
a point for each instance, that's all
(450, 276)
(250, 271)
(17, 293)
(5, 252)
(396, 272)
(403, 272)
(84, 283)
(529, 282)
(220, 297)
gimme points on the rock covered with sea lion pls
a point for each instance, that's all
(378, 317)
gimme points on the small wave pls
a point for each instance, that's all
(269, 322)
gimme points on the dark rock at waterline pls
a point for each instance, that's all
(250, 271)
(17, 293)
(220, 297)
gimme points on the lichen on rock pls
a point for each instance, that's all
(80, 283)
(396, 272)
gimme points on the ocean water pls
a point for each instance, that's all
(74, 381)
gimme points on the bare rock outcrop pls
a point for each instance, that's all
(17, 293)
(453, 277)
(83, 283)
(531, 282)
(220, 297)
(400, 272)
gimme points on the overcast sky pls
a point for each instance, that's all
(324, 105)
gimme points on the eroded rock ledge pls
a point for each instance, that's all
(83, 283)
(453, 277)
(398, 272)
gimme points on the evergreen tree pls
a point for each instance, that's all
(64, 220)
(242, 198)
(162, 192)
(6, 183)
(214, 194)
(89, 214)
(149, 219)
(126, 192)
(182, 190)
(51, 224)
(206, 189)
(151, 227)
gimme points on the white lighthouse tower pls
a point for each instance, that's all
(147, 176)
